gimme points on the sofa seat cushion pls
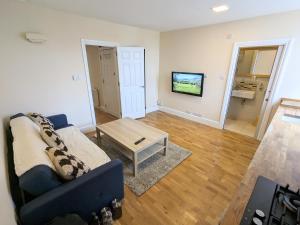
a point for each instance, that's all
(29, 148)
(82, 147)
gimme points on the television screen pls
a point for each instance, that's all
(187, 83)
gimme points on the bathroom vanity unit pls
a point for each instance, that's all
(244, 89)
(245, 94)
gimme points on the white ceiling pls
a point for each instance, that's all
(166, 15)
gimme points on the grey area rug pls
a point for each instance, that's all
(151, 170)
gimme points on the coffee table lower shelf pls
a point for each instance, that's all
(139, 157)
(147, 153)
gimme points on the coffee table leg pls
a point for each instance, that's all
(166, 145)
(135, 164)
(98, 136)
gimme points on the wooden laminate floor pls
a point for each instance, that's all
(103, 117)
(199, 190)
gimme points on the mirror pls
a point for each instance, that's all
(256, 62)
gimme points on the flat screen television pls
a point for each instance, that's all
(188, 83)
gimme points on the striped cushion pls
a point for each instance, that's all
(67, 166)
(39, 119)
(52, 138)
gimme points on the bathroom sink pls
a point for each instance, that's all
(246, 94)
(291, 118)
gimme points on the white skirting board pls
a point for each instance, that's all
(212, 123)
(208, 122)
(152, 109)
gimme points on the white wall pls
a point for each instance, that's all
(38, 77)
(208, 49)
(42, 73)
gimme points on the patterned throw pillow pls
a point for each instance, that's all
(52, 138)
(40, 120)
(67, 166)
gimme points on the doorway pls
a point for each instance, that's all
(115, 80)
(252, 85)
(103, 72)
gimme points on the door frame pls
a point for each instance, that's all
(84, 43)
(286, 43)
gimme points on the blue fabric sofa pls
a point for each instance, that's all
(40, 195)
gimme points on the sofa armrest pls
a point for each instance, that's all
(84, 195)
(48, 179)
(59, 121)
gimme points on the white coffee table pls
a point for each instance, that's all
(127, 132)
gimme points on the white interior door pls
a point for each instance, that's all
(132, 81)
(267, 104)
(111, 96)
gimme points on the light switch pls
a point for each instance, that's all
(76, 77)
